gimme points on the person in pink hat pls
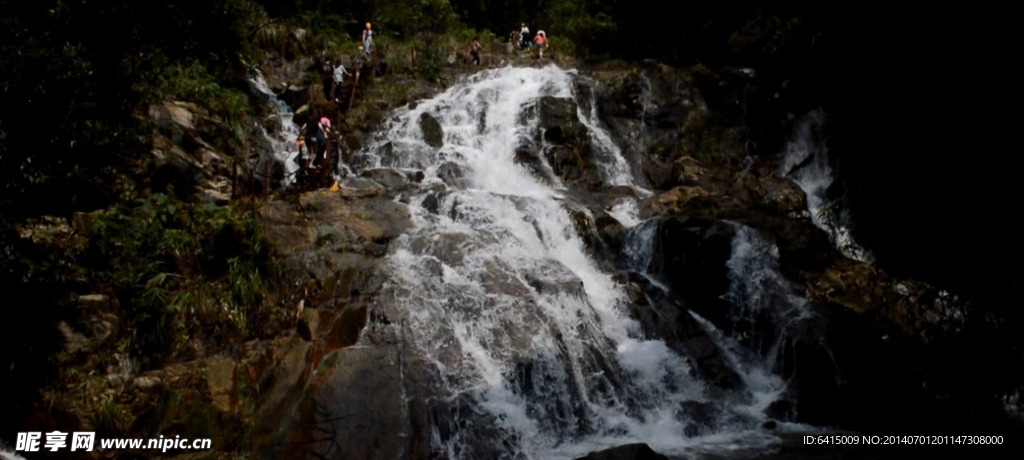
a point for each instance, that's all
(323, 128)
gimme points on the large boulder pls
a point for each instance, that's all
(689, 255)
(193, 152)
(666, 318)
(433, 135)
(638, 451)
(371, 403)
(564, 143)
(659, 114)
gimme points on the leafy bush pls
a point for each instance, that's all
(181, 273)
(194, 82)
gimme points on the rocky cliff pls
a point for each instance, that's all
(872, 351)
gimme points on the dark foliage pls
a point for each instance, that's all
(917, 103)
(71, 87)
(34, 278)
(74, 77)
(922, 145)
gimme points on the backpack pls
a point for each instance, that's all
(312, 131)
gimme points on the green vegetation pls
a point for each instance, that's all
(181, 273)
(194, 82)
(74, 90)
(74, 138)
(79, 211)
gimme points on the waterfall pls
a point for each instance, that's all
(763, 386)
(9, 455)
(617, 170)
(766, 314)
(532, 339)
(1013, 404)
(806, 162)
(280, 132)
(640, 246)
(646, 101)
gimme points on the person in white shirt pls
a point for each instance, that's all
(339, 77)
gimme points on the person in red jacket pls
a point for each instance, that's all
(542, 42)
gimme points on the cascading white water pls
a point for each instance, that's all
(498, 291)
(806, 162)
(282, 133)
(618, 169)
(765, 311)
(640, 246)
(9, 455)
(764, 387)
(646, 101)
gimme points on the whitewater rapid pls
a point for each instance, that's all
(502, 296)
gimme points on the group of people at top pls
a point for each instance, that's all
(334, 73)
(314, 136)
(523, 41)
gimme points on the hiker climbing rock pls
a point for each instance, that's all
(339, 78)
(542, 42)
(316, 140)
(323, 128)
(474, 50)
(524, 36)
(367, 38)
(513, 42)
(309, 133)
(327, 77)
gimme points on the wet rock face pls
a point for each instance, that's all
(603, 235)
(343, 222)
(319, 393)
(389, 178)
(564, 143)
(191, 152)
(659, 114)
(666, 318)
(433, 135)
(689, 254)
(637, 451)
(652, 112)
(453, 174)
(378, 401)
(840, 370)
(371, 403)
